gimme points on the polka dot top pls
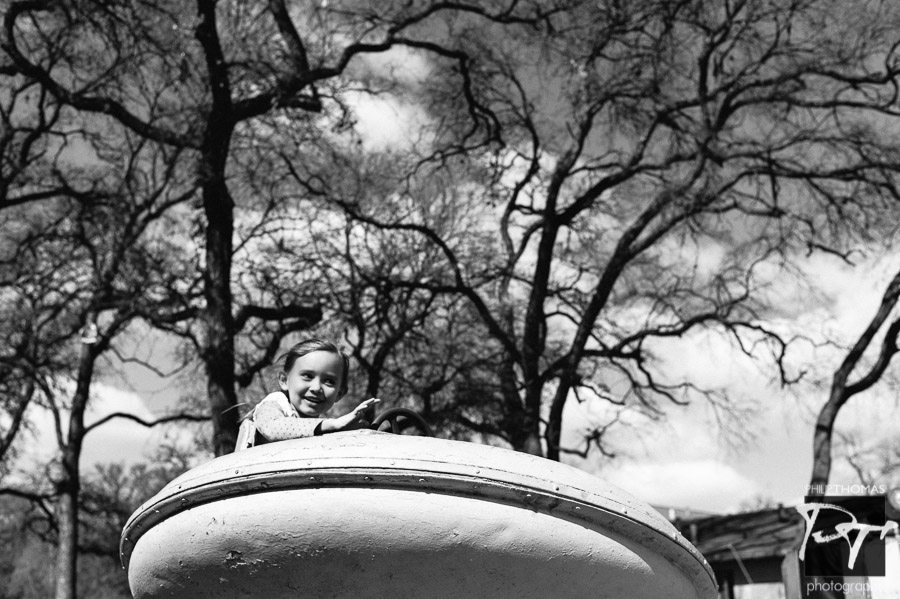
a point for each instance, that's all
(277, 420)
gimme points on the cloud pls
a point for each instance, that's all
(118, 440)
(706, 485)
(697, 458)
(678, 461)
(669, 460)
(386, 122)
(848, 295)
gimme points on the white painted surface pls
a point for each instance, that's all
(378, 515)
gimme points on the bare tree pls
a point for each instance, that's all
(126, 95)
(83, 216)
(109, 495)
(198, 77)
(884, 324)
(74, 287)
(644, 169)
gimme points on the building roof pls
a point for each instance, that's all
(761, 534)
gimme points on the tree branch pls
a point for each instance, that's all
(147, 423)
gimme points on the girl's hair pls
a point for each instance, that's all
(309, 346)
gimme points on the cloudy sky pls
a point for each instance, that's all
(686, 460)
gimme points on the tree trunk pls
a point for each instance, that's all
(841, 390)
(553, 433)
(219, 353)
(822, 444)
(69, 485)
(524, 433)
(67, 541)
(521, 427)
(218, 208)
(532, 422)
(532, 441)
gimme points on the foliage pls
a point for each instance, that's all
(111, 494)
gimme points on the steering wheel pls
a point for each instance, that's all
(401, 419)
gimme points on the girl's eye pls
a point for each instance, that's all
(306, 376)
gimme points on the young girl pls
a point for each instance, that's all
(313, 378)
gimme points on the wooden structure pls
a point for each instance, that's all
(748, 548)
(762, 547)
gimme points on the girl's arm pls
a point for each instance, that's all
(273, 424)
(348, 422)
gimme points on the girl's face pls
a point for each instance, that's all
(314, 382)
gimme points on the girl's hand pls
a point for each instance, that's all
(348, 422)
(365, 405)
